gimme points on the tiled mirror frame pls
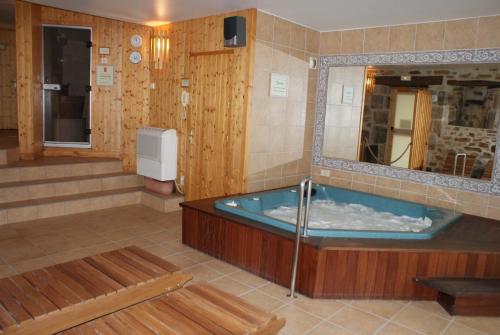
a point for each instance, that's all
(477, 56)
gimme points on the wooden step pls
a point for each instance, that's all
(28, 210)
(199, 309)
(46, 188)
(62, 296)
(57, 167)
(466, 296)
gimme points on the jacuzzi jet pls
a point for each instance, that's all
(232, 203)
(256, 199)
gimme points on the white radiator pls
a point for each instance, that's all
(157, 153)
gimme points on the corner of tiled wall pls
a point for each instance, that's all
(281, 129)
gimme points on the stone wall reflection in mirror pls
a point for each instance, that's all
(439, 118)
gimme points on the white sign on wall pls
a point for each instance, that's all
(105, 75)
(279, 85)
(347, 95)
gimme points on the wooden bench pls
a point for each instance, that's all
(58, 297)
(199, 309)
(466, 296)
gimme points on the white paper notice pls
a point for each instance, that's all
(279, 85)
(104, 75)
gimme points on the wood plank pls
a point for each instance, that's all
(11, 304)
(212, 53)
(178, 321)
(140, 263)
(132, 323)
(143, 314)
(211, 316)
(112, 270)
(134, 273)
(42, 281)
(153, 259)
(24, 300)
(102, 305)
(75, 287)
(6, 319)
(46, 305)
(89, 277)
(230, 303)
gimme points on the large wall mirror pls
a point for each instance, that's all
(425, 117)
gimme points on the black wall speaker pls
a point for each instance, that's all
(235, 31)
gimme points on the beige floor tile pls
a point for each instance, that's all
(358, 321)
(489, 325)
(231, 286)
(458, 329)
(324, 308)
(104, 247)
(202, 273)
(32, 264)
(6, 270)
(197, 256)
(181, 261)
(19, 250)
(297, 320)
(52, 243)
(221, 266)
(66, 256)
(248, 279)
(137, 241)
(432, 307)
(422, 321)
(262, 300)
(394, 329)
(383, 308)
(276, 291)
(326, 328)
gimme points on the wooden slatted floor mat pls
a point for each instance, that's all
(199, 309)
(58, 297)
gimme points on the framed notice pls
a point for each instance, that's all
(279, 85)
(347, 95)
(105, 75)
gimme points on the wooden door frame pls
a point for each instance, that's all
(392, 117)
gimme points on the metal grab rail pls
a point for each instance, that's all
(300, 220)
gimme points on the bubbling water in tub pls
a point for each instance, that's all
(327, 214)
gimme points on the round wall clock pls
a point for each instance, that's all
(136, 41)
(135, 57)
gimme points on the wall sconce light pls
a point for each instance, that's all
(160, 46)
(370, 81)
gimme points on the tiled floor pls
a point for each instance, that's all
(30, 245)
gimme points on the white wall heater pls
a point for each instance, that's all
(157, 153)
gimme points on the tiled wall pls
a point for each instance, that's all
(458, 34)
(342, 120)
(472, 33)
(281, 129)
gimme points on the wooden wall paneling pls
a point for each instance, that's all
(8, 102)
(135, 88)
(201, 37)
(29, 90)
(113, 132)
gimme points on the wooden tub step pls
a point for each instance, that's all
(62, 296)
(466, 296)
(199, 309)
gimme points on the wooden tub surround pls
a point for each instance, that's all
(58, 297)
(346, 268)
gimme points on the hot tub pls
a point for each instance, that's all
(382, 217)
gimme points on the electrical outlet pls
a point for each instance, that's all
(325, 173)
(182, 180)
